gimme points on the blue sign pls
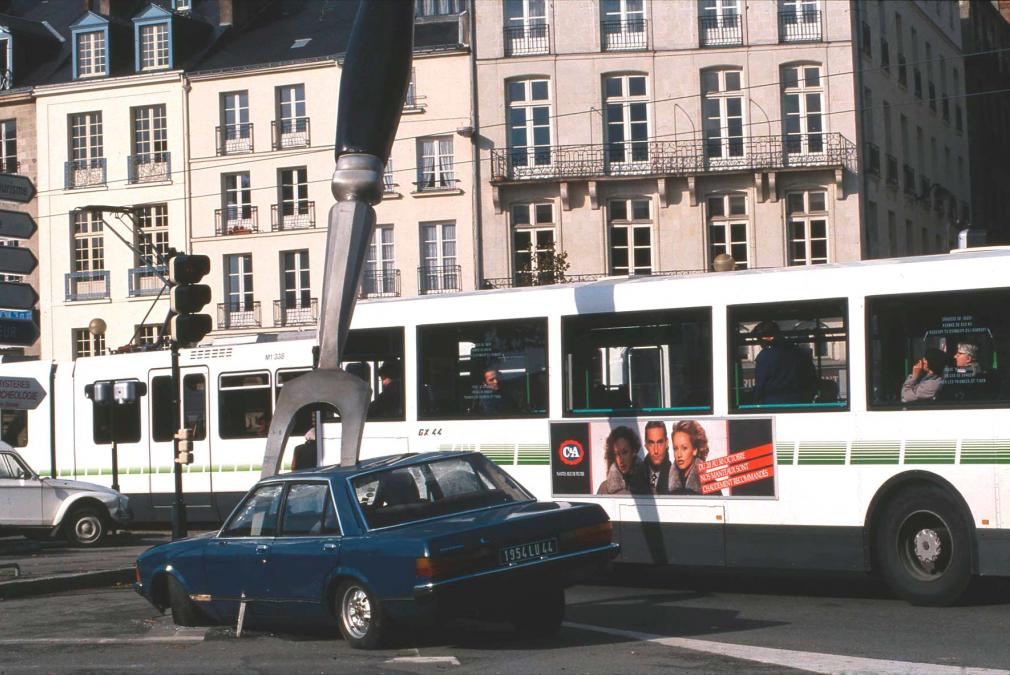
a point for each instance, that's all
(25, 315)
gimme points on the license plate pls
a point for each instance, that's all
(534, 550)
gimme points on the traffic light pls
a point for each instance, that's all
(188, 297)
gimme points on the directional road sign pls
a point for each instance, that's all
(16, 260)
(14, 332)
(17, 224)
(17, 296)
(20, 393)
(14, 188)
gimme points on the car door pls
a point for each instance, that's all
(20, 493)
(307, 547)
(237, 560)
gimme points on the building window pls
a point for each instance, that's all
(722, 106)
(526, 27)
(89, 242)
(807, 225)
(235, 130)
(296, 291)
(238, 283)
(439, 272)
(623, 24)
(86, 344)
(8, 146)
(295, 208)
(91, 53)
(435, 165)
(439, 7)
(533, 246)
(803, 107)
(630, 236)
(719, 23)
(387, 177)
(292, 122)
(148, 333)
(727, 228)
(238, 210)
(154, 46)
(529, 121)
(152, 234)
(6, 54)
(627, 119)
(799, 20)
(87, 163)
(381, 277)
(150, 160)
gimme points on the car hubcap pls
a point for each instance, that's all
(925, 545)
(88, 529)
(357, 612)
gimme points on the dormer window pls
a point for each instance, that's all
(182, 5)
(6, 42)
(91, 53)
(154, 46)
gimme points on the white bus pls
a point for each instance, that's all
(874, 463)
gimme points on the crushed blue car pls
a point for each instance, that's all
(403, 540)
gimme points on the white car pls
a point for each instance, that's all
(83, 512)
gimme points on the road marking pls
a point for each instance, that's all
(444, 660)
(102, 641)
(812, 661)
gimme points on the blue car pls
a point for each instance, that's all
(401, 540)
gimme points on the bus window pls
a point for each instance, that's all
(303, 420)
(483, 370)
(938, 349)
(632, 363)
(790, 356)
(244, 405)
(194, 405)
(161, 409)
(376, 356)
(14, 427)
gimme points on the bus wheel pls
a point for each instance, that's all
(923, 547)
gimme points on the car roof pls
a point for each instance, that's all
(372, 464)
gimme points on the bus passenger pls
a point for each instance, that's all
(653, 476)
(784, 372)
(690, 445)
(926, 379)
(490, 397)
(967, 380)
(389, 403)
(621, 452)
(306, 455)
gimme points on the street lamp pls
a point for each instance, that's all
(97, 328)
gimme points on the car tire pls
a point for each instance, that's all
(184, 611)
(539, 614)
(359, 615)
(86, 526)
(923, 547)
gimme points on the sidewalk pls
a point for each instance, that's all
(53, 566)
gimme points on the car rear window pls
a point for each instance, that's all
(438, 488)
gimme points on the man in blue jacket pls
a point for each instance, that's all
(784, 371)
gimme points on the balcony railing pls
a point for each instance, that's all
(413, 102)
(149, 167)
(297, 314)
(720, 31)
(235, 139)
(671, 158)
(93, 285)
(800, 26)
(290, 133)
(872, 159)
(909, 179)
(624, 35)
(434, 279)
(236, 220)
(522, 280)
(146, 280)
(292, 216)
(238, 315)
(380, 284)
(526, 40)
(892, 171)
(79, 173)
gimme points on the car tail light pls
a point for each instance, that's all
(589, 536)
(455, 564)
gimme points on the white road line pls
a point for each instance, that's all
(176, 639)
(812, 661)
(444, 660)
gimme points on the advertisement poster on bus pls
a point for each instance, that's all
(663, 457)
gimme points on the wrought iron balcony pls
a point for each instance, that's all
(670, 158)
(800, 26)
(149, 167)
(238, 314)
(297, 314)
(79, 173)
(435, 279)
(292, 216)
(290, 133)
(380, 284)
(234, 139)
(147, 280)
(92, 285)
(909, 179)
(720, 31)
(892, 170)
(523, 279)
(236, 220)
(527, 40)
(624, 35)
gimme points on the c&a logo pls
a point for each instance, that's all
(571, 452)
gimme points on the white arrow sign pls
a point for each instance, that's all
(20, 393)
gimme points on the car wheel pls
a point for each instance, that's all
(922, 547)
(184, 611)
(539, 614)
(359, 615)
(85, 526)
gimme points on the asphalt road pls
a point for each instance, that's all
(650, 623)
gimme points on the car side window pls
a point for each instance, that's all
(257, 517)
(5, 469)
(308, 511)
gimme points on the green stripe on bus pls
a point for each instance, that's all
(875, 452)
(784, 453)
(821, 453)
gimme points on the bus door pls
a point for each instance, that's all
(197, 478)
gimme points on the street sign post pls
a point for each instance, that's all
(20, 333)
(17, 260)
(20, 393)
(14, 188)
(16, 224)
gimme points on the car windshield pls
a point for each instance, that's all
(438, 488)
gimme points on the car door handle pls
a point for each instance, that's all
(262, 548)
(329, 547)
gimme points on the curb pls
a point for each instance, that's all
(58, 583)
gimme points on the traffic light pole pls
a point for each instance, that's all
(179, 526)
